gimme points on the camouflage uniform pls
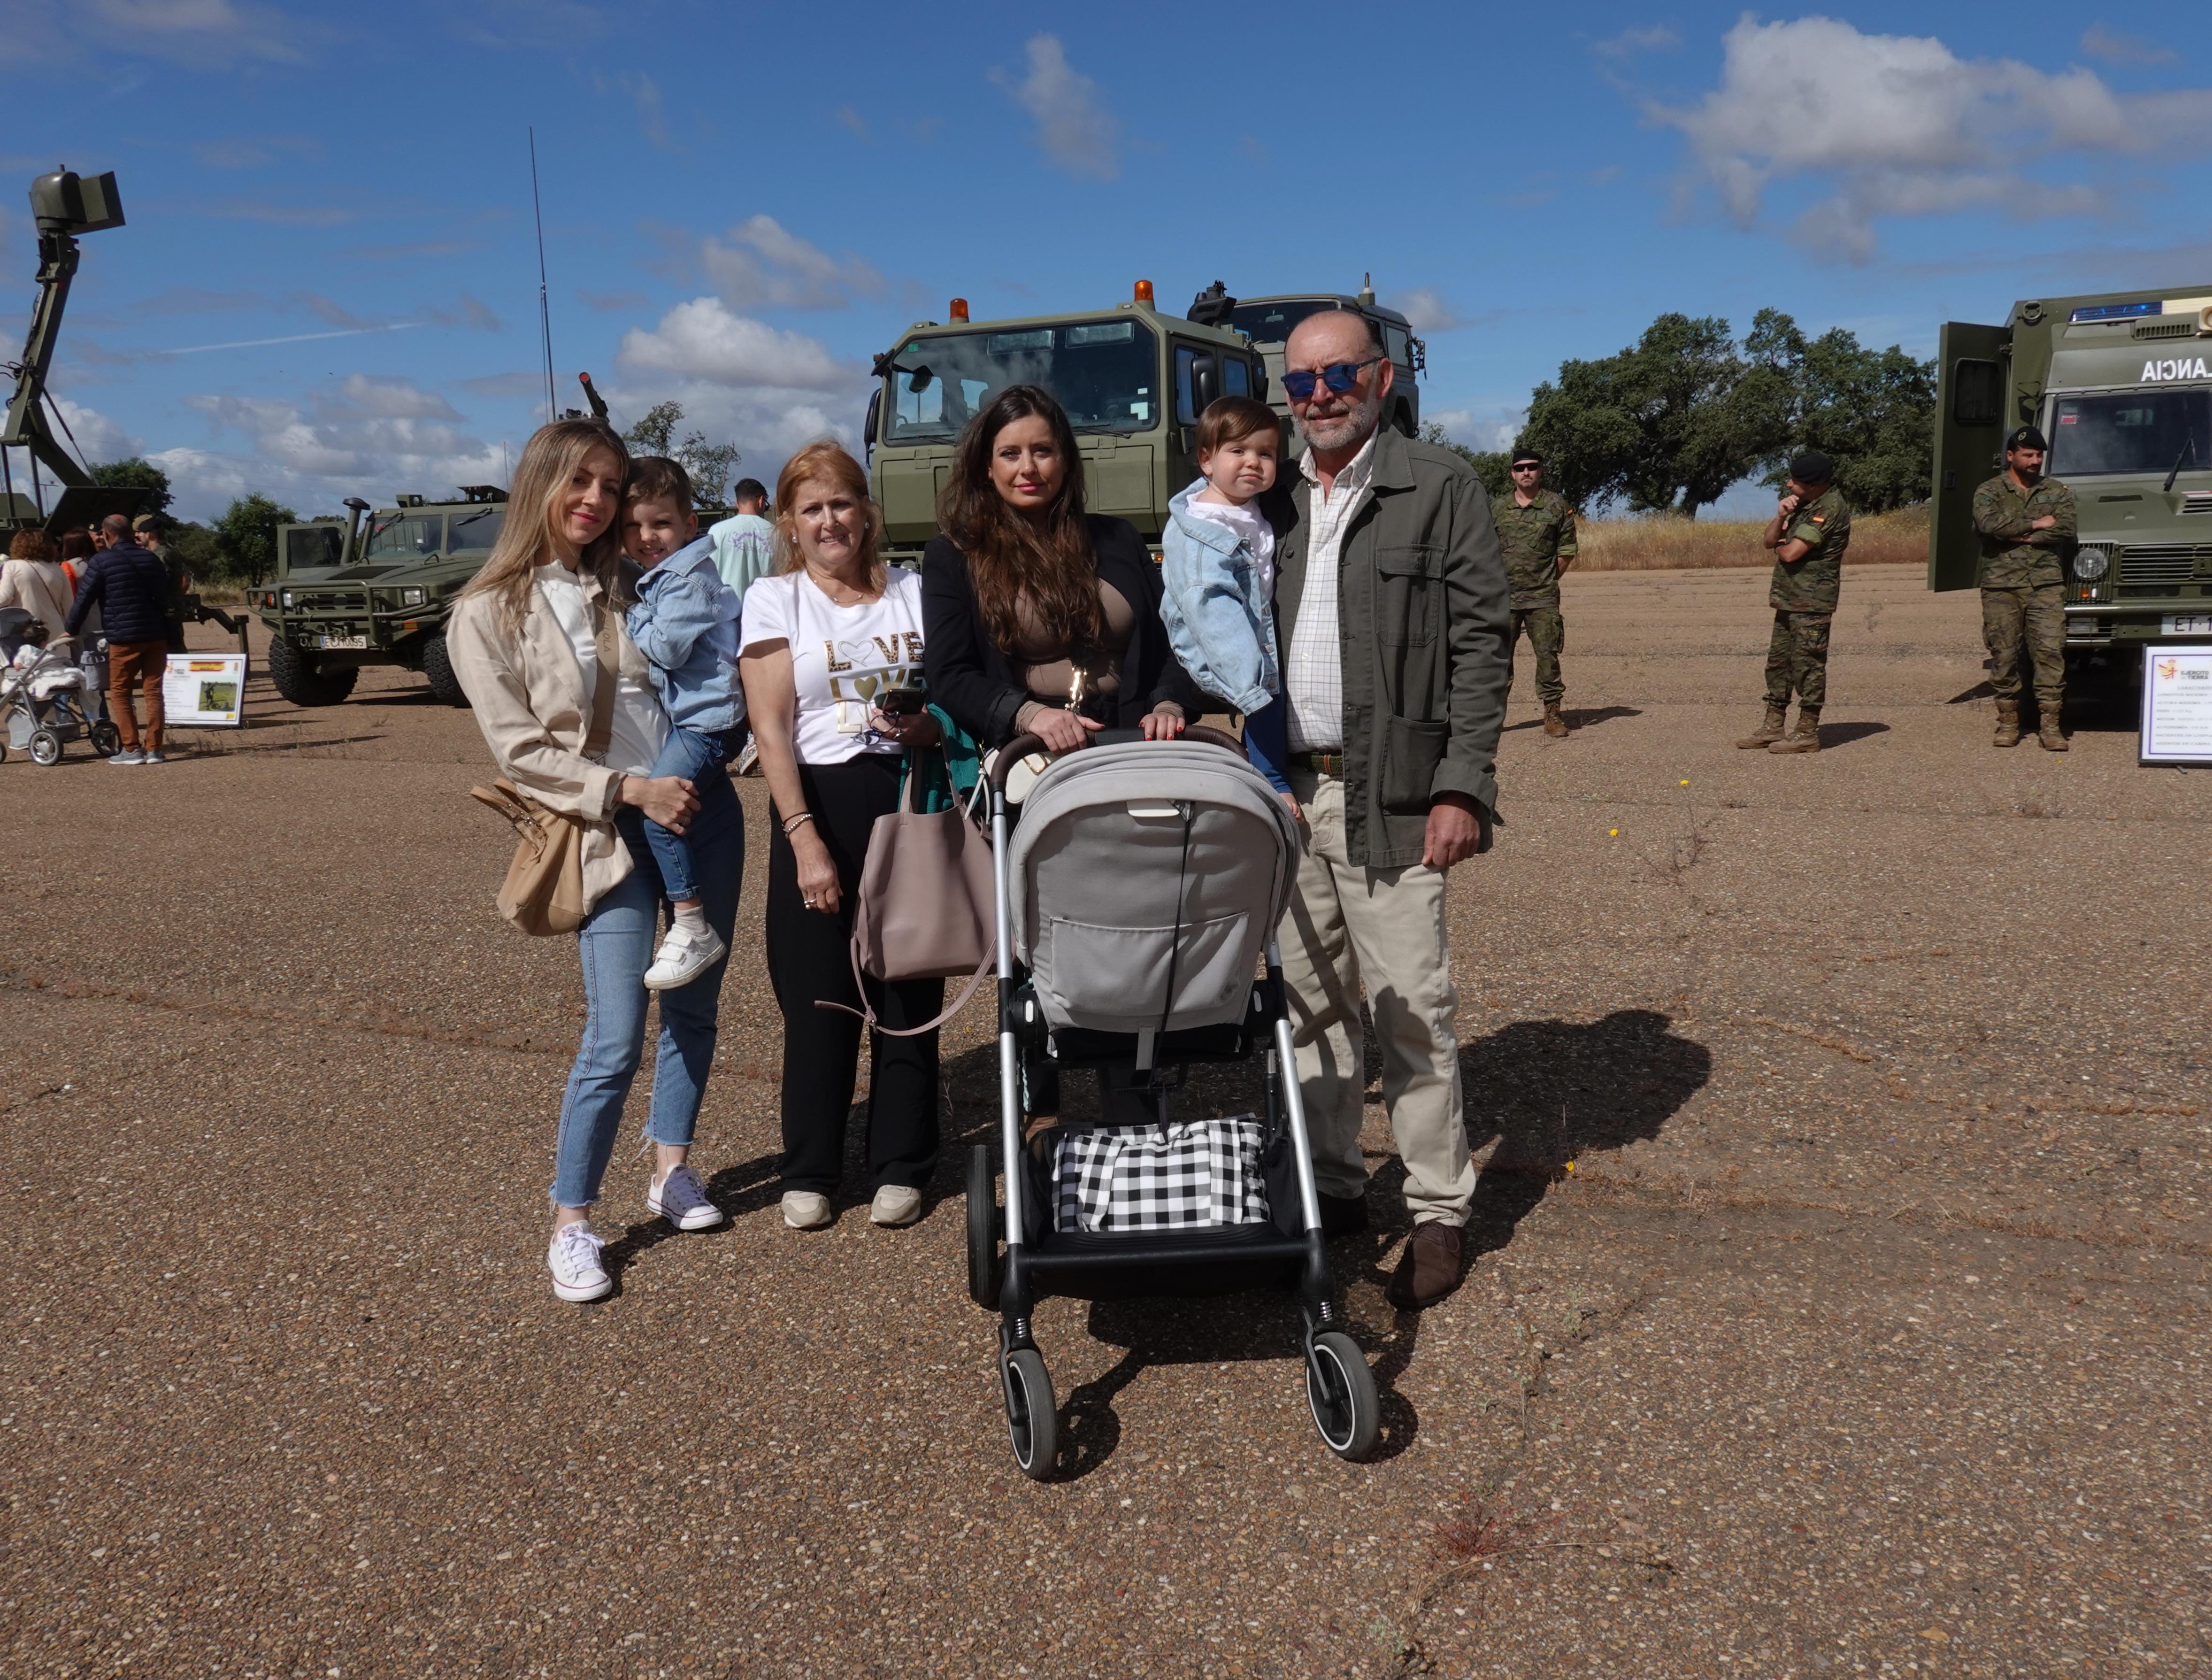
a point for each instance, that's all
(1534, 539)
(2023, 585)
(1803, 595)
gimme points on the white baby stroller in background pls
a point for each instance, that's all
(1142, 885)
(42, 701)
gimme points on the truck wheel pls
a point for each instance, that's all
(438, 668)
(296, 679)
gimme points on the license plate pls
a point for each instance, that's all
(2186, 624)
(363, 641)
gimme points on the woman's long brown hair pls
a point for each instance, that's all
(1046, 564)
(526, 537)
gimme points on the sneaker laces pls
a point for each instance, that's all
(576, 1247)
(681, 1190)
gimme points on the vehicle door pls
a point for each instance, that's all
(1972, 363)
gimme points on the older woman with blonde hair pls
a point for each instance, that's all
(825, 640)
(536, 631)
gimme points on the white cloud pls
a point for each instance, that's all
(1076, 130)
(2098, 42)
(197, 34)
(644, 93)
(760, 265)
(1658, 38)
(1902, 126)
(98, 438)
(1426, 311)
(703, 340)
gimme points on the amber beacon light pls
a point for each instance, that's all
(1144, 291)
(959, 309)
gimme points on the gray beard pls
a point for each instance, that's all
(1348, 431)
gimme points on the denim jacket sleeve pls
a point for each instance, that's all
(674, 611)
(1211, 621)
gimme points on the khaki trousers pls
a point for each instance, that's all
(129, 665)
(1385, 927)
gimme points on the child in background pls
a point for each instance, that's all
(1218, 570)
(685, 622)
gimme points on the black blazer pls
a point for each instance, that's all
(973, 680)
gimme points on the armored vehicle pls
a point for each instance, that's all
(1267, 321)
(350, 595)
(1134, 382)
(2121, 384)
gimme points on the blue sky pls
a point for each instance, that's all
(742, 204)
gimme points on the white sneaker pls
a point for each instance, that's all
(804, 1210)
(681, 1199)
(749, 760)
(895, 1204)
(574, 1260)
(683, 959)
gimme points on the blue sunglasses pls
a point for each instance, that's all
(1341, 378)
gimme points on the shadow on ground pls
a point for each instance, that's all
(1833, 735)
(1581, 720)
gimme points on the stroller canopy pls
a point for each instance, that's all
(1146, 879)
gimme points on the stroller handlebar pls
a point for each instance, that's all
(1023, 745)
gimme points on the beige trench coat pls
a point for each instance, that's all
(530, 700)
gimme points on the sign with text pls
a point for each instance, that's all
(2177, 705)
(204, 691)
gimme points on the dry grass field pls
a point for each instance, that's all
(1681, 545)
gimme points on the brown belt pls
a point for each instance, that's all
(1321, 763)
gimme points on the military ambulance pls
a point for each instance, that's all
(1267, 321)
(2121, 384)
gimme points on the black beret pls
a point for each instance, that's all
(2026, 437)
(1526, 458)
(1810, 466)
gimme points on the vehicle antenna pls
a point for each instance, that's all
(544, 315)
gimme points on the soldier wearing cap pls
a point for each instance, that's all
(2027, 527)
(1808, 533)
(146, 531)
(1536, 530)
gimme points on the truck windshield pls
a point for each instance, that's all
(1104, 373)
(472, 531)
(1271, 323)
(2131, 431)
(404, 536)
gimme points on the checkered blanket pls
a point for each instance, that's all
(1195, 1174)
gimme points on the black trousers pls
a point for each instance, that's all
(810, 958)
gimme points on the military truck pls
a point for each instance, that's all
(349, 594)
(1134, 382)
(2120, 383)
(1267, 321)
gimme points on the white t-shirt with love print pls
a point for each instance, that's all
(842, 657)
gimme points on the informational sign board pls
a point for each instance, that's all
(204, 691)
(2177, 704)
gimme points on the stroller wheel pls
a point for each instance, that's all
(983, 1217)
(107, 738)
(1341, 1389)
(1032, 1416)
(46, 747)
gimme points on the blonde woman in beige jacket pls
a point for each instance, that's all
(525, 640)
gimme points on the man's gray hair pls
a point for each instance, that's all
(117, 524)
(1374, 346)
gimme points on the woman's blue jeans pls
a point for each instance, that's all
(618, 941)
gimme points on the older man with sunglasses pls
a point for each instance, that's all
(1392, 602)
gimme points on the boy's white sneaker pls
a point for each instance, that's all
(574, 1260)
(683, 957)
(805, 1210)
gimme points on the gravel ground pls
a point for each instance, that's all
(1839, 1307)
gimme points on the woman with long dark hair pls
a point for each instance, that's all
(1041, 618)
(533, 636)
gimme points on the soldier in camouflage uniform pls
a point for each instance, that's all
(2027, 527)
(1808, 533)
(1536, 531)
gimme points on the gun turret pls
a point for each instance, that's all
(592, 396)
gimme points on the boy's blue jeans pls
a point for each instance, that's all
(617, 942)
(698, 758)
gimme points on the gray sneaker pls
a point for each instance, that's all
(682, 1201)
(151, 756)
(130, 755)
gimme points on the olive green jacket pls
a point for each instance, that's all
(1424, 636)
(1814, 582)
(2013, 556)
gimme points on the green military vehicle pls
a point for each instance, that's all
(1134, 382)
(1267, 321)
(348, 594)
(2121, 384)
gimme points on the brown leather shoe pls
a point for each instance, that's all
(1430, 1268)
(1341, 1215)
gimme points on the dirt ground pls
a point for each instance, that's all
(1840, 1305)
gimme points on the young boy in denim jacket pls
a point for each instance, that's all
(1217, 567)
(686, 623)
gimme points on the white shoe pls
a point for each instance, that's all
(683, 957)
(895, 1204)
(804, 1210)
(749, 760)
(574, 1260)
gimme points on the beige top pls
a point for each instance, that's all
(1044, 666)
(534, 709)
(38, 587)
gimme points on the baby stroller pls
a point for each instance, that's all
(1140, 889)
(42, 703)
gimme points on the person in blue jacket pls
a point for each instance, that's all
(129, 589)
(686, 623)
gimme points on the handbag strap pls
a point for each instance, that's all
(866, 1011)
(603, 692)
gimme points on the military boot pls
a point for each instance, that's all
(1807, 738)
(1777, 724)
(2008, 732)
(1554, 725)
(2046, 732)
